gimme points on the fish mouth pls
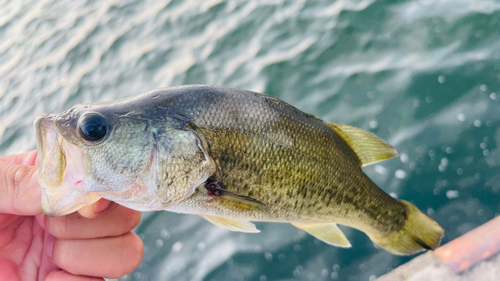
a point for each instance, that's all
(39, 131)
(62, 173)
(51, 157)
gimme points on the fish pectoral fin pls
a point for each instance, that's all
(329, 233)
(232, 224)
(369, 148)
(238, 203)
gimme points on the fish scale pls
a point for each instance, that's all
(230, 156)
(308, 179)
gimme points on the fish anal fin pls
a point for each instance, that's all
(232, 224)
(329, 233)
(367, 146)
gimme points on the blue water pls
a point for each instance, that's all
(424, 75)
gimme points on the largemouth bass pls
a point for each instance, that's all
(230, 156)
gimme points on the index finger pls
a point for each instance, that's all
(20, 193)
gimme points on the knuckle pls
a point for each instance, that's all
(13, 183)
(16, 178)
(127, 220)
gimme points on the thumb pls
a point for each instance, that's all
(20, 193)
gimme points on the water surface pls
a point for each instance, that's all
(423, 75)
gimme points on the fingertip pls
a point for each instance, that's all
(100, 207)
(87, 212)
(134, 251)
(135, 218)
(111, 257)
(37, 162)
(30, 158)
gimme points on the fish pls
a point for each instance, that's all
(230, 156)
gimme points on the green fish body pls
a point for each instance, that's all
(230, 156)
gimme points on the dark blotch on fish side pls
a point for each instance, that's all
(213, 187)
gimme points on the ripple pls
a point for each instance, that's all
(421, 74)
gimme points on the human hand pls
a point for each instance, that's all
(93, 243)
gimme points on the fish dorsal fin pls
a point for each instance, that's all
(329, 233)
(369, 148)
(232, 224)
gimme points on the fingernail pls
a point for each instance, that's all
(101, 206)
(49, 245)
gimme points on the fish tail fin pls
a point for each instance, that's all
(419, 233)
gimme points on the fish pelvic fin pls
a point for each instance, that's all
(329, 233)
(419, 233)
(238, 203)
(232, 224)
(367, 146)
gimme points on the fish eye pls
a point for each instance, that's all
(93, 127)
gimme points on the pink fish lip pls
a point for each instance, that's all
(78, 182)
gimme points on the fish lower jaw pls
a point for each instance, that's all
(65, 201)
